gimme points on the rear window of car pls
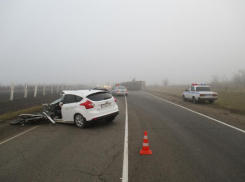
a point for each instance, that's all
(99, 96)
(203, 89)
(121, 87)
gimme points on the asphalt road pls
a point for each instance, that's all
(185, 146)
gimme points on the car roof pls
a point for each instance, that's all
(82, 93)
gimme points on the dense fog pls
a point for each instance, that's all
(81, 41)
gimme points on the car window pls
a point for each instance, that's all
(69, 99)
(78, 99)
(99, 96)
(121, 87)
(203, 89)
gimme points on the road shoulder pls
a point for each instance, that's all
(237, 120)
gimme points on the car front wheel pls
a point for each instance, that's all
(80, 121)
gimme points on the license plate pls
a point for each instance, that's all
(105, 105)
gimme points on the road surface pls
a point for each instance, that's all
(186, 147)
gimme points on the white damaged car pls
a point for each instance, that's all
(82, 106)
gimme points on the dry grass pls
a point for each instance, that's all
(233, 100)
(12, 115)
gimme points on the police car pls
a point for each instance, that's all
(199, 92)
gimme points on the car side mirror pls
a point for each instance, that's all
(61, 104)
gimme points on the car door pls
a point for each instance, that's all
(188, 94)
(192, 92)
(68, 107)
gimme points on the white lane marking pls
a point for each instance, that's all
(18, 135)
(199, 114)
(125, 155)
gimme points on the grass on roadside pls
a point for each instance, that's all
(12, 115)
(233, 100)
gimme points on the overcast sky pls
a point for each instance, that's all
(84, 41)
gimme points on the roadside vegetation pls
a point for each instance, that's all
(231, 92)
(232, 100)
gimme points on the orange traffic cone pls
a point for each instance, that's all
(145, 149)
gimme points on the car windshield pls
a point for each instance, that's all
(58, 101)
(203, 89)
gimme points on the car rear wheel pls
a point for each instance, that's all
(110, 119)
(194, 100)
(80, 121)
(184, 98)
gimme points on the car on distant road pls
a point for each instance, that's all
(83, 106)
(199, 93)
(119, 90)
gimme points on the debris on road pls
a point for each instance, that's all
(28, 118)
(32, 118)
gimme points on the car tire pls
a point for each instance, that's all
(110, 119)
(194, 100)
(211, 101)
(184, 98)
(80, 121)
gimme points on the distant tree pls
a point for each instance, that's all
(165, 82)
(239, 78)
(217, 80)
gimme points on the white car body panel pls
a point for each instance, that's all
(97, 111)
(69, 110)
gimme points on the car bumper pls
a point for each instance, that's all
(106, 116)
(121, 93)
(91, 115)
(203, 98)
